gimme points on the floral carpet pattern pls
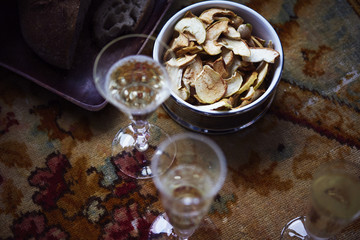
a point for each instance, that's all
(58, 181)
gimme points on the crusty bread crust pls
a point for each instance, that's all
(117, 17)
(52, 28)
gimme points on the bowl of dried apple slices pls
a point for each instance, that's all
(225, 61)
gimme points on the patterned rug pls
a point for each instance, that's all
(57, 180)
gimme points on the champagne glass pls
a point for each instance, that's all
(335, 203)
(136, 84)
(188, 187)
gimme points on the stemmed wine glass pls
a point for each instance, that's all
(136, 84)
(335, 203)
(188, 187)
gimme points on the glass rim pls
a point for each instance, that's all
(95, 70)
(336, 165)
(201, 138)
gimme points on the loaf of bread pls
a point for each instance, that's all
(114, 18)
(52, 28)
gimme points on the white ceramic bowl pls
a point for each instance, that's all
(189, 115)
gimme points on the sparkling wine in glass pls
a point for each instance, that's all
(136, 84)
(335, 203)
(188, 187)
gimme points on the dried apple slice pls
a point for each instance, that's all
(179, 42)
(182, 93)
(194, 26)
(189, 14)
(191, 72)
(182, 61)
(233, 84)
(249, 94)
(228, 57)
(190, 36)
(199, 100)
(212, 47)
(262, 70)
(208, 15)
(234, 99)
(262, 54)
(232, 33)
(213, 32)
(239, 47)
(216, 29)
(250, 81)
(258, 41)
(175, 75)
(189, 50)
(223, 104)
(236, 63)
(176, 44)
(219, 66)
(209, 85)
(255, 96)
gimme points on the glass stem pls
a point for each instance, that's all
(141, 129)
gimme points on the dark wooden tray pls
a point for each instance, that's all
(76, 84)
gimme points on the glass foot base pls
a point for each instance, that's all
(161, 229)
(295, 230)
(132, 160)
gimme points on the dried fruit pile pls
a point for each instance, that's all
(215, 62)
